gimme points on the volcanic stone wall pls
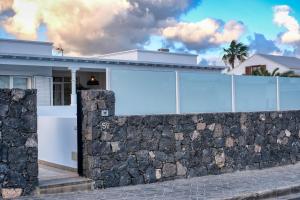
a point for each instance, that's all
(127, 150)
(18, 142)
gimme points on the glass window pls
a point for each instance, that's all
(4, 81)
(20, 82)
(289, 93)
(57, 79)
(254, 93)
(144, 92)
(57, 91)
(200, 92)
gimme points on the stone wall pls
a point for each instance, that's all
(18, 142)
(144, 149)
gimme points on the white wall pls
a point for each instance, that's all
(25, 47)
(22, 70)
(57, 135)
(165, 57)
(257, 60)
(126, 55)
(154, 56)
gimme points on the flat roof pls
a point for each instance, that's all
(104, 61)
(147, 51)
(26, 41)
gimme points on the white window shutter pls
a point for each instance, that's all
(44, 90)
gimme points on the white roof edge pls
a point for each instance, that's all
(110, 60)
(147, 51)
(266, 57)
(26, 41)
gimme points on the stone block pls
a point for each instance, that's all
(201, 126)
(181, 170)
(220, 159)
(11, 193)
(179, 136)
(115, 146)
(229, 142)
(169, 170)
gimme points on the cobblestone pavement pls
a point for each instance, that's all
(226, 186)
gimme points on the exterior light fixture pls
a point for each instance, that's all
(93, 81)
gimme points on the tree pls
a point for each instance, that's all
(264, 72)
(237, 51)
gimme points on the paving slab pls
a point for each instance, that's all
(254, 184)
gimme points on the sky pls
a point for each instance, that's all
(204, 27)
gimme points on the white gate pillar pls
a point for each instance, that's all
(73, 82)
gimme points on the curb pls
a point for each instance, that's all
(267, 193)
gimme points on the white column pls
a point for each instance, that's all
(177, 92)
(233, 108)
(277, 94)
(73, 82)
(108, 75)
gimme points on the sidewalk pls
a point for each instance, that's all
(239, 185)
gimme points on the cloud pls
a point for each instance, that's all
(283, 19)
(259, 44)
(5, 5)
(93, 27)
(204, 34)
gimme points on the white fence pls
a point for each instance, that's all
(57, 135)
(142, 92)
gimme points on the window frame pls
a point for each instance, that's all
(11, 81)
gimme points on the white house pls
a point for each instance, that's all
(30, 64)
(269, 62)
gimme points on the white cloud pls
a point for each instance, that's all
(283, 19)
(204, 34)
(5, 4)
(92, 26)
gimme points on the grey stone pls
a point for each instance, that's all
(181, 170)
(17, 94)
(115, 146)
(150, 175)
(169, 170)
(229, 142)
(201, 126)
(31, 142)
(218, 131)
(3, 110)
(106, 136)
(179, 136)
(220, 160)
(211, 127)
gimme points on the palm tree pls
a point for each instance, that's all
(264, 72)
(236, 51)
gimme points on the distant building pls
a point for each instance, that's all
(268, 62)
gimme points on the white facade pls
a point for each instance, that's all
(153, 56)
(25, 47)
(283, 63)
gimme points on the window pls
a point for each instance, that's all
(15, 82)
(250, 69)
(61, 91)
(4, 82)
(20, 82)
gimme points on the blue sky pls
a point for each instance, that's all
(204, 27)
